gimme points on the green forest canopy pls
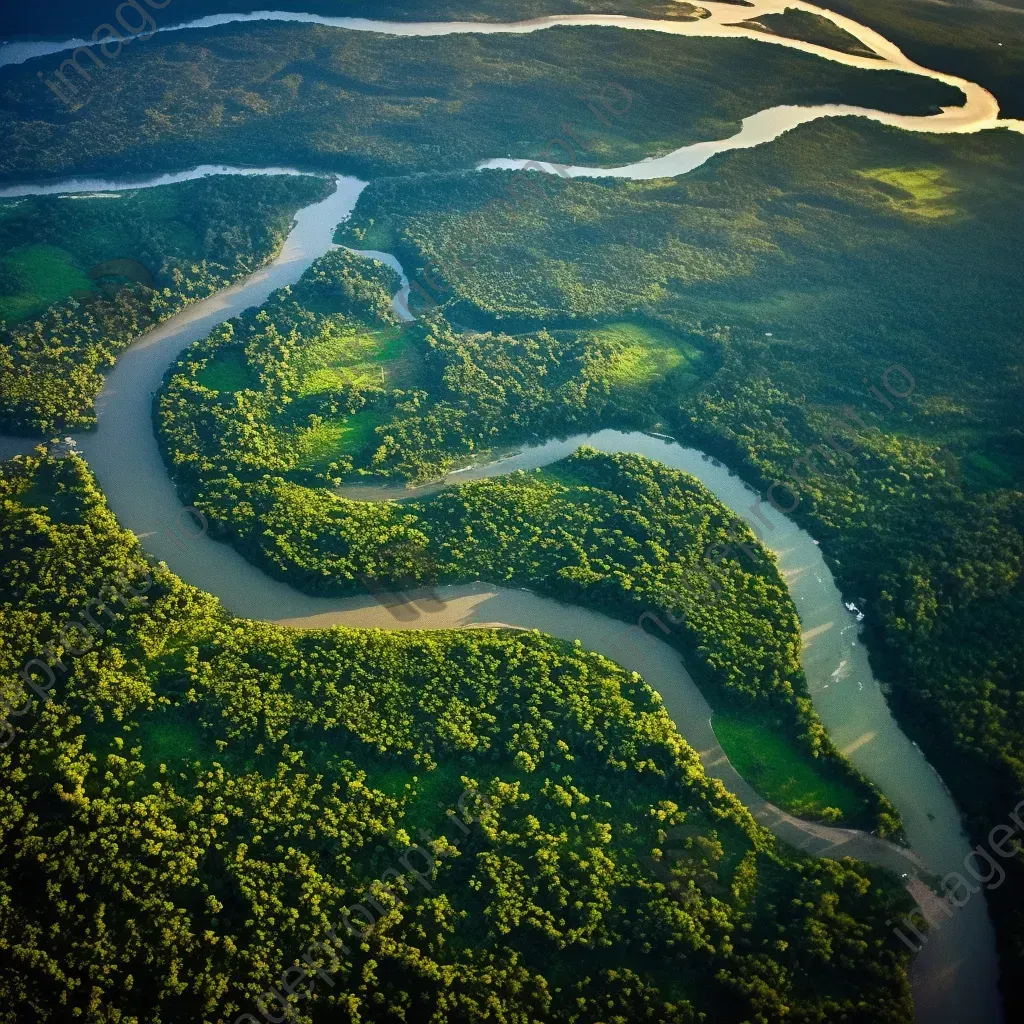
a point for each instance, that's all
(852, 247)
(806, 269)
(203, 797)
(615, 533)
(980, 42)
(81, 277)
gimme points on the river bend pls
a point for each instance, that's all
(955, 977)
(979, 112)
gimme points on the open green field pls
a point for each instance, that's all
(780, 770)
(320, 445)
(915, 191)
(53, 248)
(351, 354)
(34, 277)
(345, 354)
(644, 355)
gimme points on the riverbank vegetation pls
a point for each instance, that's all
(615, 534)
(323, 382)
(806, 269)
(980, 42)
(203, 798)
(811, 28)
(315, 96)
(82, 276)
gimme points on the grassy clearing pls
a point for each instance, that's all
(50, 243)
(35, 277)
(229, 371)
(914, 191)
(346, 354)
(320, 445)
(390, 779)
(646, 354)
(435, 793)
(171, 737)
(350, 354)
(780, 771)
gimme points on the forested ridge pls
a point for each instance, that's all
(808, 268)
(83, 277)
(202, 798)
(980, 42)
(374, 105)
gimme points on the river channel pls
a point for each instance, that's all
(955, 976)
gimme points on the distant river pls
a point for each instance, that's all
(979, 112)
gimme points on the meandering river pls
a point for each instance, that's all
(955, 976)
(979, 112)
